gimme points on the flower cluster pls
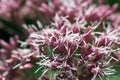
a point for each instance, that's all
(75, 50)
(5, 58)
(11, 57)
(82, 41)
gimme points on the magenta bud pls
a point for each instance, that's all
(45, 78)
(95, 70)
(54, 65)
(11, 60)
(2, 68)
(28, 65)
(5, 44)
(117, 54)
(115, 7)
(80, 62)
(21, 67)
(3, 51)
(67, 67)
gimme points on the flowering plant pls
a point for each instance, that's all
(73, 40)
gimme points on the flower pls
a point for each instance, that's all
(69, 47)
(6, 62)
(81, 42)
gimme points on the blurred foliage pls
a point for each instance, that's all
(111, 2)
(11, 27)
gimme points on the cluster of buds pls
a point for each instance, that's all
(14, 13)
(79, 44)
(20, 8)
(13, 60)
(75, 50)
(84, 9)
(5, 58)
(47, 9)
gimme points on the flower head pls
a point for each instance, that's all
(68, 47)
